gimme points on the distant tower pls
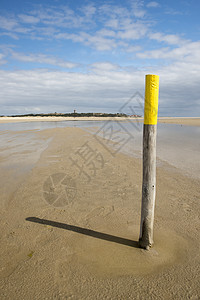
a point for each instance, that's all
(74, 111)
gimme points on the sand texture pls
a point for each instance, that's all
(70, 220)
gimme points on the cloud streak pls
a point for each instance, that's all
(153, 4)
(117, 23)
(44, 59)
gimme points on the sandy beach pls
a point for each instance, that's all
(54, 119)
(70, 217)
(182, 121)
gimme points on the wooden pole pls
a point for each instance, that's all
(149, 161)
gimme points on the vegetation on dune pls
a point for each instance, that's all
(75, 114)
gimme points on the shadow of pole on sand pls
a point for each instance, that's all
(85, 231)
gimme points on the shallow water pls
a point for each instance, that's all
(176, 144)
(19, 152)
(38, 125)
(21, 149)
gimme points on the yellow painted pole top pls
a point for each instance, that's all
(151, 99)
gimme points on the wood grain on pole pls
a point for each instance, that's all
(149, 161)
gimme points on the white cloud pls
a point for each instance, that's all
(96, 41)
(100, 43)
(112, 23)
(43, 59)
(133, 48)
(137, 9)
(188, 52)
(89, 11)
(60, 17)
(40, 88)
(116, 22)
(108, 11)
(106, 40)
(12, 27)
(80, 38)
(8, 23)
(106, 88)
(10, 34)
(153, 4)
(102, 67)
(155, 54)
(133, 31)
(28, 19)
(105, 32)
(170, 39)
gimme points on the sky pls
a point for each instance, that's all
(92, 56)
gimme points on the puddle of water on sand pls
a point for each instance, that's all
(176, 144)
(18, 155)
(20, 151)
(37, 125)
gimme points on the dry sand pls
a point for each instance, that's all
(78, 239)
(49, 119)
(182, 121)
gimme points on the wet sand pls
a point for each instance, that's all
(181, 121)
(70, 224)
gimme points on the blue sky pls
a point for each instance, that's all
(93, 55)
